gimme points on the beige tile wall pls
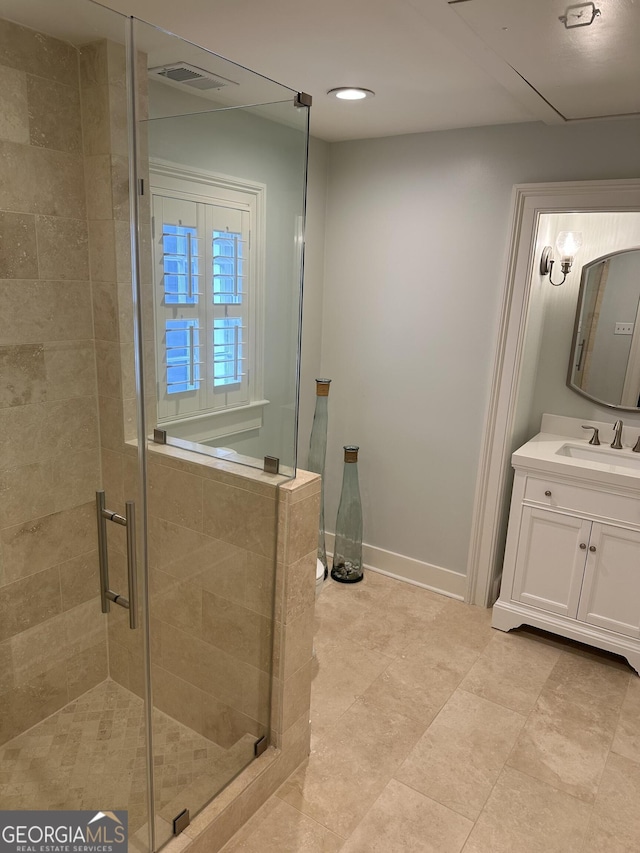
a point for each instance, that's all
(104, 123)
(217, 626)
(52, 645)
(221, 545)
(103, 95)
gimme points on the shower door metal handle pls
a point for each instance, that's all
(132, 564)
(103, 557)
(107, 595)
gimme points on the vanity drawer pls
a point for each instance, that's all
(588, 501)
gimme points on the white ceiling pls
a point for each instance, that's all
(584, 71)
(434, 65)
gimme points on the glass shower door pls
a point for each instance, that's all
(84, 686)
(221, 259)
(73, 731)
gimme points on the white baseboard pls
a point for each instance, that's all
(434, 578)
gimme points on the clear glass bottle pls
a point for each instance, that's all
(347, 551)
(317, 455)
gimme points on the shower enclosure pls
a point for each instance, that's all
(151, 241)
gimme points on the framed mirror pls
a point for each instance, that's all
(604, 365)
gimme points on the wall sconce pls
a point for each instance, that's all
(567, 244)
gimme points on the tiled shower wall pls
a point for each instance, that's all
(52, 643)
(104, 98)
(103, 86)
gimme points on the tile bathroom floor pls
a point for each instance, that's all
(433, 732)
(92, 752)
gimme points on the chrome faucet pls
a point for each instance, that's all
(595, 438)
(617, 435)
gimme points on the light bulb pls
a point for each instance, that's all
(568, 243)
(350, 94)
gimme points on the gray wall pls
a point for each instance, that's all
(416, 240)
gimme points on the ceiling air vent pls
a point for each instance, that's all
(190, 75)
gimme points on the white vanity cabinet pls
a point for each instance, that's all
(572, 562)
(550, 560)
(610, 596)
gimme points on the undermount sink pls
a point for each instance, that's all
(603, 455)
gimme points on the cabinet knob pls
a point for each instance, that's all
(583, 547)
(592, 548)
(548, 493)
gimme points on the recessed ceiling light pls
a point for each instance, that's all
(351, 93)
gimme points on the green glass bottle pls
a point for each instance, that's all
(347, 551)
(317, 455)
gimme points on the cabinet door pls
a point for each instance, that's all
(550, 560)
(611, 590)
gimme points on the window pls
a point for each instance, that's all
(207, 299)
(229, 288)
(180, 264)
(182, 349)
(227, 268)
(227, 351)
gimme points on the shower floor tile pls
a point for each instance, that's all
(91, 755)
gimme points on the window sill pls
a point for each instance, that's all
(214, 425)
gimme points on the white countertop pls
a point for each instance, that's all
(544, 452)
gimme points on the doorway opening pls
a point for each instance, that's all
(518, 347)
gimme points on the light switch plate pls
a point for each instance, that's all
(623, 329)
